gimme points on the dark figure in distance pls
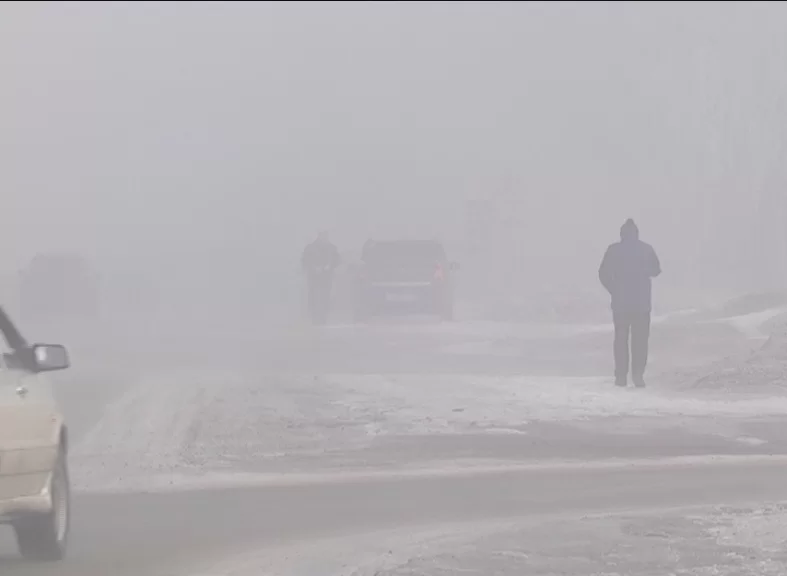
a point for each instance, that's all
(626, 272)
(319, 261)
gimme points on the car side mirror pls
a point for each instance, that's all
(50, 357)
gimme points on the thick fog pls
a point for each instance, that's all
(190, 151)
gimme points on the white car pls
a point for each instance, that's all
(34, 484)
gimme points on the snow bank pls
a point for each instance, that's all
(755, 325)
(764, 368)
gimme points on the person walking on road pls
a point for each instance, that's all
(626, 272)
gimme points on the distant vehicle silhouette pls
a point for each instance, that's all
(405, 277)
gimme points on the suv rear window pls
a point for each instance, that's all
(405, 252)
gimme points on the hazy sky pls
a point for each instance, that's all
(138, 132)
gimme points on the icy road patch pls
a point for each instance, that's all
(223, 421)
(709, 541)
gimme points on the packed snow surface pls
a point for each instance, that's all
(213, 421)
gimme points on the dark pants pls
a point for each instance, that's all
(320, 287)
(637, 324)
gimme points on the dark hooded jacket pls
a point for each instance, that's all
(318, 254)
(626, 271)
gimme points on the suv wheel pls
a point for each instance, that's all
(45, 537)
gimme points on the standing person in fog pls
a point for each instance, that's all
(626, 272)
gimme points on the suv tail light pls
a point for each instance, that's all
(439, 274)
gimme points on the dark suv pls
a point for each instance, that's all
(405, 277)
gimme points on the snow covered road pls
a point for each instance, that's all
(163, 431)
(695, 541)
(662, 518)
(215, 420)
(398, 411)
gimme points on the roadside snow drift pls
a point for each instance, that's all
(763, 369)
